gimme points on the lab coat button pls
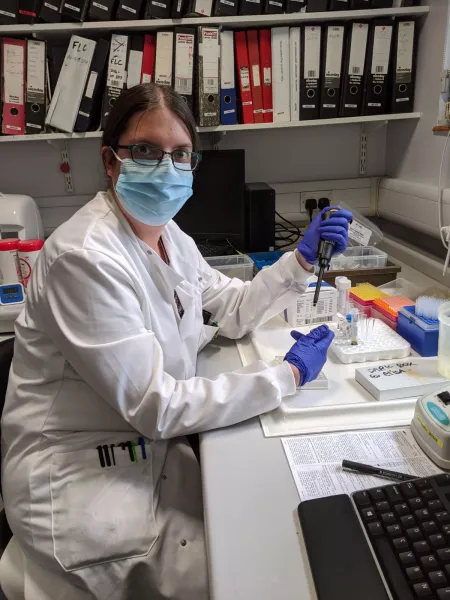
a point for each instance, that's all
(149, 252)
(200, 278)
(183, 542)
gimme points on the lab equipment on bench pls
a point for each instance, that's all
(19, 217)
(421, 333)
(386, 309)
(343, 285)
(359, 257)
(363, 296)
(27, 252)
(301, 312)
(384, 343)
(237, 265)
(431, 426)
(444, 340)
(387, 542)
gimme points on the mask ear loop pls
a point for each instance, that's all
(115, 154)
(121, 161)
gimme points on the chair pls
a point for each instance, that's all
(11, 562)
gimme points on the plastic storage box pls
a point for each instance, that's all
(386, 309)
(422, 334)
(240, 265)
(359, 257)
(362, 296)
(401, 287)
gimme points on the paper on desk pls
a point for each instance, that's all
(315, 460)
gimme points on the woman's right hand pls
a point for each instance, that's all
(309, 353)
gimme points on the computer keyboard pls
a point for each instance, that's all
(390, 542)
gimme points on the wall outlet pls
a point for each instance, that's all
(316, 195)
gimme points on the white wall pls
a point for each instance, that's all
(413, 152)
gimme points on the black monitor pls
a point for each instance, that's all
(215, 212)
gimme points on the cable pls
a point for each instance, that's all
(440, 208)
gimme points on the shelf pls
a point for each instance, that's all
(220, 128)
(231, 22)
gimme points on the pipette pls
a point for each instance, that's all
(324, 253)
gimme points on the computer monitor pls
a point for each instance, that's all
(215, 212)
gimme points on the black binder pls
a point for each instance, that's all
(376, 77)
(116, 73)
(332, 60)
(158, 9)
(51, 11)
(339, 5)
(29, 11)
(36, 86)
(178, 9)
(353, 74)
(226, 8)
(310, 72)
(403, 67)
(101, 10)
(273, 7)
(316, 5)
(129, 10)
(90, 106)
(74, 10)
(382, 4)
(295, 6)
(56, 53)
(250, 7)
(9, 12)
(360, 4)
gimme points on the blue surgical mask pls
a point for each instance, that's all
(153, 194)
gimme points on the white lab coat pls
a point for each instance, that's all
(102, 357)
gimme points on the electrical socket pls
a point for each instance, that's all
(305, 195)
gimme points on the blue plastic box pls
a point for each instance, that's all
(265, 259)
(422, 334)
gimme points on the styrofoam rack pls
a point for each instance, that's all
(384, 343)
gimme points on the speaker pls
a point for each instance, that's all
(259, 217)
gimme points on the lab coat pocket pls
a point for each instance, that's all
(101, 515)
(207, 334)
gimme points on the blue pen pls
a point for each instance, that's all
(141, 443)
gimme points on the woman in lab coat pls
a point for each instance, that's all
(101, 487)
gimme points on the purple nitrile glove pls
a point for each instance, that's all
(334, 229)
(309, 353)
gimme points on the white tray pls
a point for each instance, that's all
(385, 344)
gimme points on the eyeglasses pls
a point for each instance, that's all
(184, 160)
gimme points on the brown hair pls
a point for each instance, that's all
(146, 97)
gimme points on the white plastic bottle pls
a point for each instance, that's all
(343, 285)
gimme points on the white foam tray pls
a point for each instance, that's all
(385, 344)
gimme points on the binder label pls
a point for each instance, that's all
(129, 9)
(405, 43)
(36, 71)
(245, 79)
(100, 6)
(7, 14)
(72, 7)
(255, 73)
(312, 52)
(164, 52)
(91, 84)
(51, 6)
(358, 49)
(117, 61)
(381, 49)
(13, 64)
(267, 76)
(184, 63)
(209, 49)
(146, 78)
(333, 60)
(227, 61)
(204, 7)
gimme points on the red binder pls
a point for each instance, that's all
(265, 62)
(13, 86)
(243, 68)
(255, 75)
(148, 59)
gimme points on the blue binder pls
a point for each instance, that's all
(228, 112)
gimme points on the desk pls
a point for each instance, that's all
(250, 499)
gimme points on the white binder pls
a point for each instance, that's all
(280, 74)
(294, 68)
(69, 90)
(164, 57)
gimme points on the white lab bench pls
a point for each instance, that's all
(255, 547)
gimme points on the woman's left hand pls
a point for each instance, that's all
(334, 229)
